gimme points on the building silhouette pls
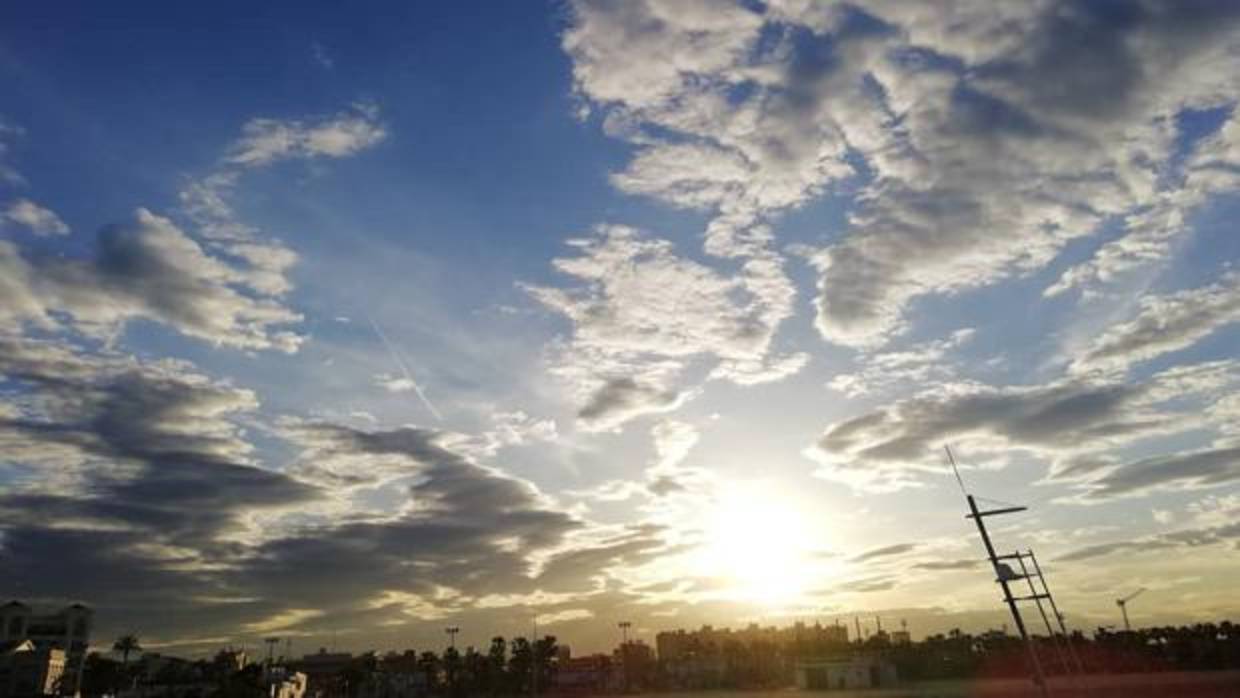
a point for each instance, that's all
(58, 641)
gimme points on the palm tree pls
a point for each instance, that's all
(497, 662)
(543, 656)
(125, 644)
(520, 666)
(452, 671)
(473, 671)
(429, 663)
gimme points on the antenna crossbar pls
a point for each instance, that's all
(995, 512)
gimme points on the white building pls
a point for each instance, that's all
(286, 684)
(28, 670)
(845, 674)
(67, 629)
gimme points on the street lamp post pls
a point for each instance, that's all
(624, 626)
(452, 630)
(271, 646)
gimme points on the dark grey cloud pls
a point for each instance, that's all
(159, 486)
(1185, 538)
(891, 443)
(24, 213)
(1100, 550)
(639, 545)
(986, 136)
(664, 485)
(147, 269)
(1194, 469)
(1163, 324)
(1023, 145)
(660, 587)
(464, 526)
(142, 486)
(947, 565)
(885, 551)
(620, 399)
(641, 314)
(157, 433)
(864, 585)
(1077, 424)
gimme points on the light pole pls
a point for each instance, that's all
(452, 630)
(271, 645)
(624, 651)
(534, 659)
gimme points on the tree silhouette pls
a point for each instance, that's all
(429, 663)
(126, 644)
(452, 672)
(473, 672)
(99, 675)
(520, 666)
(496, 663)
(544, 662)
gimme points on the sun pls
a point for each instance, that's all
(759, 543)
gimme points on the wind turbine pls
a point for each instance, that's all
(1123, 606)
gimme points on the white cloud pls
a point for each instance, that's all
(395, 384)
(1076, 424)
(508, 428)
(563, 616)
(39, 220)
(320, 55)
(145, 269)
(919, 364)
(206, 200)
(1164, 324)
(1216, 510)
(982, 146)
(1192, 469)
(1213, 167)
(665, 476)
(8, 174)
(265, 141)
(222, 283)
(659, 73)
(641, 313)
(672, 442)
(619, 400)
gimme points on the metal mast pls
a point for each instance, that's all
(1004, 574)
(271, 646)
(452, 630)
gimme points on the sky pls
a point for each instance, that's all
(347, 324)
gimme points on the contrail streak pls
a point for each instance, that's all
(403, 367)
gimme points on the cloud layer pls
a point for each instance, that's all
(1076, 424)
(146, 269)
(981, 142)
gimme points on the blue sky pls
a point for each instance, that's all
(347, 324)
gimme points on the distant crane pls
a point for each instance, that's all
(1123, 606)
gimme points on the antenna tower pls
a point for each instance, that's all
(1030, 572)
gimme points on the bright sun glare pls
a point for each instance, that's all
(759, 544)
